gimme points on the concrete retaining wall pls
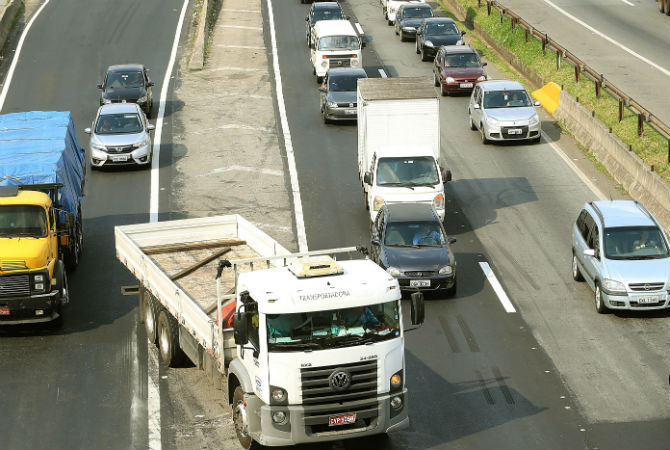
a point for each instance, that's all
(207, 18)
(9, 9)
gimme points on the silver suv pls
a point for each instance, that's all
(621, 251)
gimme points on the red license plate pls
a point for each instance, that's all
(343, 419)
(4, 311)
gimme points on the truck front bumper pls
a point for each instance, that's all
(32, 309)
(310, 423)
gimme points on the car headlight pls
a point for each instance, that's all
(97, 146)
(449, 80)
(394, 271)
(534, 120)
(438, 201)
(278, 395)
(428, 44)
(493, 122)
(106, 101)
(142, 143)
(460, 42)
(332, 104)
(446, 270)
(142, 99)
(613, 286)
(377, 203)
(408, 29)
(482, 78)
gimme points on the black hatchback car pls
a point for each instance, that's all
(409, 241)
(435, 32)
(127, 83)
(409, 18)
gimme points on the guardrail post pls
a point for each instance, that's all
(502, 15)
(598, 85)
(527, 35)
(513, 22)
(488, 7)
(578, 72)
(620, 109)
(479, 3)
(558, 60)
(668, 151)
(640, 124)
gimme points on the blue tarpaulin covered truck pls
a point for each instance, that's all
(42, 175)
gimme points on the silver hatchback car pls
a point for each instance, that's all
(502, 110)
(622, 252)
(120, 136)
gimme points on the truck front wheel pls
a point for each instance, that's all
(168, 340)
(241, 420)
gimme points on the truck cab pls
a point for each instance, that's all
(334, 43)
(33, 282)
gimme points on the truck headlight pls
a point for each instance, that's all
(324, 64)
(278, 396)
(377, 203)
(446, 270)
(438, 201)
(613, 286)
(40, 283)
(396, 381)
(279, 417)
(428, 44)
(393, 271)
(355, 62)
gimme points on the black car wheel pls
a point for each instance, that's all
(444, 91)
(451, 292)
(418, 52)
(436, 80)
(424, 57)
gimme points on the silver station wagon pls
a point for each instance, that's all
(622, 252)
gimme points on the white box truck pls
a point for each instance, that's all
(399, 143)
(306, 348)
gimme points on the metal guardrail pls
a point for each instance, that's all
(643, 115)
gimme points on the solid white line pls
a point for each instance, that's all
(627, 2)
(382, 73)
(576, 170)
(497, 288)
(15, 60)
(153, 399)
(604, 36)
(155, 161)
(288, 143)
(359, 29)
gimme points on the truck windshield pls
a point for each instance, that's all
(635, 243)
(339, 43)
(333, 328)
(419, 171)
(23, 221)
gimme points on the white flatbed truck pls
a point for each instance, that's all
(316, 348)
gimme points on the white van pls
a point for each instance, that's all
(334, 43)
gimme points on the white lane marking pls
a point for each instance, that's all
(240, 46)
(382, 73)
(276, 173)
(497, 288)
(288, 143)
(627, 2)
(15, 60)
(155, 162)
(359, 29)
(576, 169)
(604, 36)
(153, 399)
(241, 27)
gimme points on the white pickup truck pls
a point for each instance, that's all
(307, 348)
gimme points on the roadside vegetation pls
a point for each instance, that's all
(651, 147)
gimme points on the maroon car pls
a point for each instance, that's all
(458, 68)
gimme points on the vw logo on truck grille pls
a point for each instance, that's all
(339, 380)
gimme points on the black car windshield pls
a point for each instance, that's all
(344, 83)
(506, 99)
(409, 234)
(333, 328)
(116, 80)
(439, 29)
(634, 243)
(419, 171)
(339, 43)
(326, 14)
(416, 12)
(118, 124)
(461, 60)
(23, 221)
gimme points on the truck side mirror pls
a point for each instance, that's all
(417, 311)
(375, 241)
(64, 228)
(363, 44)
(367, 178)
(446, 175)
(451, 240)
(240, 328)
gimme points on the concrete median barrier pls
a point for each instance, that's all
(9, 9)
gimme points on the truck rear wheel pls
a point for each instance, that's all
(148, 312)
(241, 420)
(74, 250)
(168, 340)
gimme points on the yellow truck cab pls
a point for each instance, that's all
(33, 280)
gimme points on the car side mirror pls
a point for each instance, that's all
(375, 241)
(417, 310)
(306, 19)
(347, 18)
(476, 106)
(151, 127)
(367, 178)
(451, 240)
(537, 103)
(322, 88)
(87, 130)
(446, 175)
(240, 328)
(589, 252)
(151, 83)
(463, 33)
(483, 64)
(99, 85)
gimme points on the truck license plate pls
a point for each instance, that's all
(465, 85)
(4, 311)
(342, 419)
(419, 283)
(119, 158)
(514, 131)
(649, 300)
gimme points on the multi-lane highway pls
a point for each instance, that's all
(552, 374)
